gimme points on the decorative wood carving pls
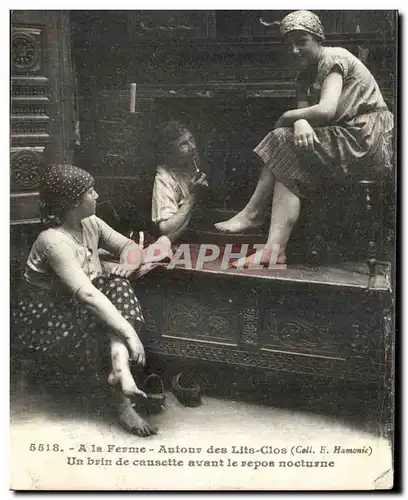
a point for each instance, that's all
(264, 360)
(25, 46)
(250, 325)
(30, 109)
(29, 120)
(322, 342)
(26, 164)
(171, 23)
(29, 129)
(20, 90)
(284, 328)
(188, 315)
(321, 326)
(41, 102)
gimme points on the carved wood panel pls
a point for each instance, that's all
(337, 325)
(262, 360)
(26, 164)
(170, 23)
(41, 121)
(249, 332)
(30, 89)
(213, 319)
(27, 50)
(328, 332)
(30, 116)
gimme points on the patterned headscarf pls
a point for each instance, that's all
(61, 186)
(303, 20)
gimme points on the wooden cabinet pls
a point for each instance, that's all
(42, 119)
(333, 329)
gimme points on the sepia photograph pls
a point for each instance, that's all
(203, 227)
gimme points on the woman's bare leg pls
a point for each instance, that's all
(121, 373)
(124, 386)
(285, 213)
(127, 415)
(253, 214)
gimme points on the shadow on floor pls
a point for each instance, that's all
(364, 408)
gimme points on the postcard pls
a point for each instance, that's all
(202, 258)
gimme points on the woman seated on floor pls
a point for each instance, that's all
(341, 119)
(73, 306)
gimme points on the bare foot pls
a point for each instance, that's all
(125, 379)
(131, 421)
(268, 257)
(239, 223)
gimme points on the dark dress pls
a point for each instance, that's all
(50, 321)
(361, 129)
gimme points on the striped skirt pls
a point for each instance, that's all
(343, 151)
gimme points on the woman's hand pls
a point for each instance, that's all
(159, 251)
(304, 135)
(136, 349)
(122, 270)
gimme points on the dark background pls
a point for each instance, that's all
(223, 73)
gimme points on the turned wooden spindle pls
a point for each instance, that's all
(367, 186)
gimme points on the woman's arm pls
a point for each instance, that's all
(129, 256)
(119, 245)
(102, 307)
(320, 113)
(63, 262)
